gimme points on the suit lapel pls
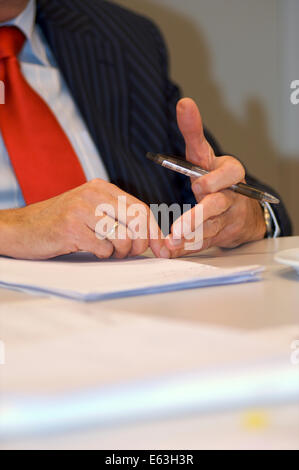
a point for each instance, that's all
(94, 69)
(118, 87)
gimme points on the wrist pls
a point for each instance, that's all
(9, 231)
(260, 227)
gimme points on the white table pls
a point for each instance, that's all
(273, 302)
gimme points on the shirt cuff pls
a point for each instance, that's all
(273, 228)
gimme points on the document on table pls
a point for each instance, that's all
(68, 366)
(82, 276)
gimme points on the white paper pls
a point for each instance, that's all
(57, 345)
(83, 277)
(68, 365)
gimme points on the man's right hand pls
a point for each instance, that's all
(67, 223)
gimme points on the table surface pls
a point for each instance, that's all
(272, 302)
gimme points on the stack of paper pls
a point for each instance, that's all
(82, 276)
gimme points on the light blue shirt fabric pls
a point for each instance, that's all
(40, 70)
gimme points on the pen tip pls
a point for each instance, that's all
(271, 199)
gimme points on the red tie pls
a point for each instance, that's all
(43, 159)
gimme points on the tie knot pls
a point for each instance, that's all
(11, 41)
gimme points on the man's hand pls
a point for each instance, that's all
(68, 223)
(229, 219)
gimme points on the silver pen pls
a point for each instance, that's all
(189, 169)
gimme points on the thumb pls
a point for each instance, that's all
(198, 150)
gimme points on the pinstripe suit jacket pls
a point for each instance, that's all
(115, 64)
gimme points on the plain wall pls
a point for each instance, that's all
(236, 58)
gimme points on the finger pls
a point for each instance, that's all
(228, 171)
(210, 230)
(108, 199)
(145, 229)
(208, 243)
(241, 224)
(118, 234)
(88, 242)
(157, 239)
(136, 216)
(130, 238)
(121, 241)
(231, 228)
(198, 150)
(213, 226)
(212, 205)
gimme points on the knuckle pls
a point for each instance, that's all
(221, 201)
(86, 192)
(212, 228)
(206, 185)
(95, 183)
(236, 168)
(228, 159)
(94, 187)
(113, 186)
(216, 226)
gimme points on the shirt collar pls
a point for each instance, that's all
(34, 50)
(25, 20)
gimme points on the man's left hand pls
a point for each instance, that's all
(229, 219)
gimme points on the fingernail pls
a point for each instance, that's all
(164, 253)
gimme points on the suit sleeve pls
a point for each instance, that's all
(177, 145)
